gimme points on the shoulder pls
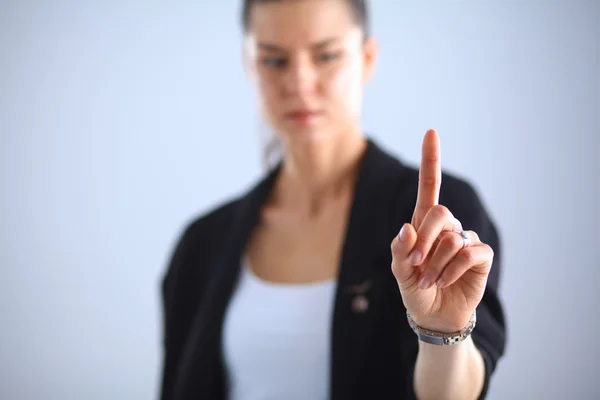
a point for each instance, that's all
(204, 232)
(200, 233)
(204, 235)
(210, 222)
(457, 193)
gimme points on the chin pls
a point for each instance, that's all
(306, 134)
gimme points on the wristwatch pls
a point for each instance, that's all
(442, 339)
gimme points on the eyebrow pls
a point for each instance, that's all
(317, 46)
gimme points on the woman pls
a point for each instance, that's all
(287, 291)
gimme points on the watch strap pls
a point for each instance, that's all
(439, 338)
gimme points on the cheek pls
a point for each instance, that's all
(346, 88)
(268, 90)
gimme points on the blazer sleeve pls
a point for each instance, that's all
(489, 334)
(182, 289)
(183, 285)
(172, 344)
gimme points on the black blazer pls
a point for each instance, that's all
(373, 352)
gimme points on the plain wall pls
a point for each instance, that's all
(120, 121)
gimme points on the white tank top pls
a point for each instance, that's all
(276, 339)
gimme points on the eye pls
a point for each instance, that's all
(327, 57)
(274, 62)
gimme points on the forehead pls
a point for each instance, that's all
(296, 23)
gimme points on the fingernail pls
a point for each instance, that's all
(403, 234)
(440, 283)
(424, 283)
(415, 257)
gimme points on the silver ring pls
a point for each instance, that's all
(466, 237)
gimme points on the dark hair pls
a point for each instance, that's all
(358, 8)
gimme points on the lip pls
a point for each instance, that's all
(303, 117)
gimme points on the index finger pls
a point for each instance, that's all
(430, 174)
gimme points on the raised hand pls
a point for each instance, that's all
(441, 275)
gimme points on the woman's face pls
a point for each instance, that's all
(309, 61)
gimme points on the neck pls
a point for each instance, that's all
(315, 172)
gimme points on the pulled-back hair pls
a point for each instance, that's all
(358, 8)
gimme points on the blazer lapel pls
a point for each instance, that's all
(361, 276)
(201, 371)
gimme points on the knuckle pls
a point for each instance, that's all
(490, 250)
(442, 211)
(450, 242)
(395, 245)
(431, 157)
(428, 181)
(467, 255)
(456, 240)
(457, 223)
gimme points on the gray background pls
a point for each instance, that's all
(119, 121)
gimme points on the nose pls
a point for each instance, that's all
(301, 76)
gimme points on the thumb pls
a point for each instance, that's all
(406, 274)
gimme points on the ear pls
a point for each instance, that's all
(370, 52)
(248, 60)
